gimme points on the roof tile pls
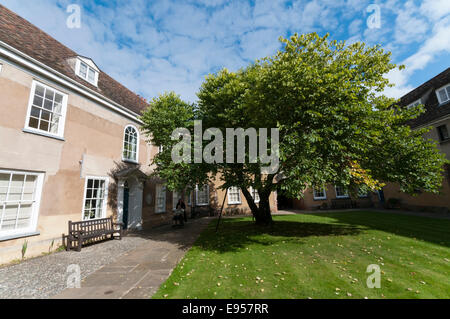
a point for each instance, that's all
(30, 40)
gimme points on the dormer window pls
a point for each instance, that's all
(443, 94)
(414, 104)
(87, 70)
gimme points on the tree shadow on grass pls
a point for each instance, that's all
(422, 228)
(237, 234)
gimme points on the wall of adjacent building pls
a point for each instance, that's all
(217, 200)
(93, 143)
(307, 202)
(427, 201)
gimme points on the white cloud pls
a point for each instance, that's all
(408, 27)
(437, 43)
(354, 27)
(435, 9)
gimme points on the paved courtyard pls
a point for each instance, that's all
(131, 268)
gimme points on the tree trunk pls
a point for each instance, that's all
(263, 215)
(262, 212)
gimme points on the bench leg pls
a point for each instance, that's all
(80, 242)
(69, 243)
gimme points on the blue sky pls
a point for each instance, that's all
(164, 45)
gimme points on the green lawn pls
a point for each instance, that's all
(317, 256)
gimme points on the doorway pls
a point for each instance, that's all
(126, 200)
(283, 201)
(381, 196)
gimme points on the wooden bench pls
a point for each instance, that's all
(343, 203)
(90, 231)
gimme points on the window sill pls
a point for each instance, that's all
(89, 219)
(235, 203)
(443, 103)
(17, 236)
(444, 141)
(320, 198)
(129, 161)
(27, 130)
(159, 213)
(202, 204)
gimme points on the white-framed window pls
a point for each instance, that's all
(202, 195)
(414, 104)
(47, 109)
(443, 94)
(160, 149)
(95, 197)
(319, 193)
(20, 195)
(362, 194)
(160, 199)
(86, 72)
(234, 195)
(130, 144)
(341, 192)
(255, 195)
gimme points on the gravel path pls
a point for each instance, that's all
(45, 276)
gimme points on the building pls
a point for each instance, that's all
(435, 96)
(329, 197)
(71, 148)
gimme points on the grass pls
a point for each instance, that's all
(316, 256)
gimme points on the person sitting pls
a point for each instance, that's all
(178, 217)
(178, 213)
(182, 205)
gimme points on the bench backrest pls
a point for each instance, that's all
(91, 226)
(341, 200)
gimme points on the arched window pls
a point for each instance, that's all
(130, 144)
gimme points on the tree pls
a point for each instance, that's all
(335, 126)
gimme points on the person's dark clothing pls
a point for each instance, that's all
(181, 205)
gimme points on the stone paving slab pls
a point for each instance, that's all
(139, 272)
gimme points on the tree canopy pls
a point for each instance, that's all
(335, 126)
